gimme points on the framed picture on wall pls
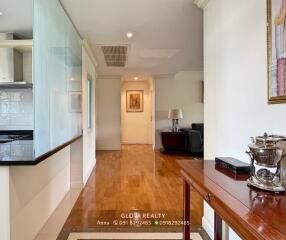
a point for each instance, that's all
(134, 101)
(75, 102)
(276, 45)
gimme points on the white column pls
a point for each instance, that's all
(209, 107)
(4, 204)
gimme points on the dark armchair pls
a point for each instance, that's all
(195, 138)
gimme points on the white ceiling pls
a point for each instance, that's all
(135, 77)
(17, 16)
(168, 34)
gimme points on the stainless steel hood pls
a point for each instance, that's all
(15, 85)
(11, 66)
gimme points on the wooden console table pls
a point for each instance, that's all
(252, 213)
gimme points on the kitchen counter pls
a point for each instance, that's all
(16, 147)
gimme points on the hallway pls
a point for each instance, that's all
(135, 179)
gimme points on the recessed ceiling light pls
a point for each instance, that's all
(1, 13)
(129, 34)
(136, 78)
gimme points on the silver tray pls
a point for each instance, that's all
(269, 187)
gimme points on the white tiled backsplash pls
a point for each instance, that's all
(16, 109)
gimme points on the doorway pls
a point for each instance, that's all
(137, 110)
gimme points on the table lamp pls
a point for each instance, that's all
(175, 115)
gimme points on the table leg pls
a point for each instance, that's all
(186, 232)
(218, 227)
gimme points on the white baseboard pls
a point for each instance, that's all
(89, 171)
(158, 146)
(76, 184)
(208, 228)
(108, 148)
(134, 143)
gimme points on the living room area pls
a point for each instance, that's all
(162, 102)
(153, 119)
(140, 84)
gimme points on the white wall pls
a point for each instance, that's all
(236, 80)
(76, 164)
(136, 127)
(83, 151)
(27, 67)
(108, 109)
(89, 134)
(184, 90)
(35, 192)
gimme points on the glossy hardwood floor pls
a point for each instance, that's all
(135, 179)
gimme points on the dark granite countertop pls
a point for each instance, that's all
(17, 148)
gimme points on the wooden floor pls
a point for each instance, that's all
(135, 179)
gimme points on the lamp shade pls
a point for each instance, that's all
(175, 114)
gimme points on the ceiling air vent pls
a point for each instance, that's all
(115, 56)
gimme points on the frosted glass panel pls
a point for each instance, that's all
(57, 77)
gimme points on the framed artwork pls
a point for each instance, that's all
(75, 102)
(276, 47)
(134, 101)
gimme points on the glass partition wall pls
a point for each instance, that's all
(57, 69)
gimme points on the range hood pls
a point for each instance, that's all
(11, 66)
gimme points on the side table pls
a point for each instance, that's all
(174, 142)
